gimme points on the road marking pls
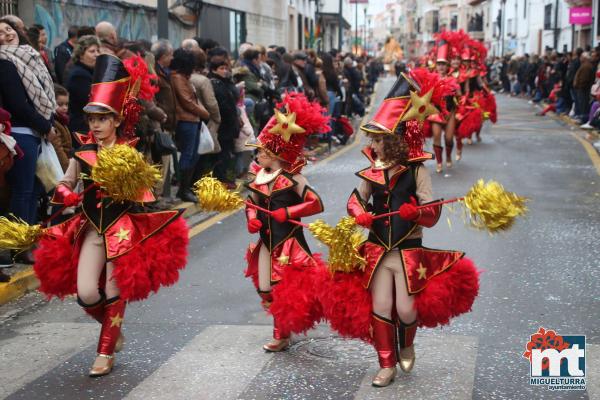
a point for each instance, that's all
(590, 150)
(33, 350)
(217, 364)
(201, 227)
(437, 373)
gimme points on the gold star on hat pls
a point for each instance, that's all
(123, 234)
(420, 108)
(286, 125)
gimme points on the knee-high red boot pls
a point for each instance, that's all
(281, 339)
(114, 312)
(406, 337)
(95, 310)
(438, 150)
(384, 339)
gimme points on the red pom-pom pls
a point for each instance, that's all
(154, 263)
(295, 304)
(448, 295)
(346, 304)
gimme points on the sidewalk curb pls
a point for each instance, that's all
(25, 281)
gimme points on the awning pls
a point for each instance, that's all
(333, 18)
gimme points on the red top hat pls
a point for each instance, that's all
(116, 87)
(442, 51)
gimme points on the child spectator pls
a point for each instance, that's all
(62, 141)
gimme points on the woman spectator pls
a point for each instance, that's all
(229, 130)
(79, 81)
(332, 82)
(189, 113)
(206, 95)
(27, 93)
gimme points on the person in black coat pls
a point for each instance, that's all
(79, 81)
(63, 53)
(227, 96)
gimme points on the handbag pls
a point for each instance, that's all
(163, 144)
(206, 144)
(48, 168)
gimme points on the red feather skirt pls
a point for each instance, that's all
(153, 263)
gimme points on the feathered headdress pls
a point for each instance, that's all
(295, 119)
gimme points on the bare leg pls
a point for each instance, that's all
(407, 324)
(436, 129)
(90, 266)
(449, 138)
(281, 340)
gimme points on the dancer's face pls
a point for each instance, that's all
(377, 146)
(442, 68)
(267, 161)
(104, 127)
(455, 63)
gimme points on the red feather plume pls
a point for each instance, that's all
(442, 87)
(138, 71)
(309, 114)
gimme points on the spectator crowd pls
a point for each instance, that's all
(566, 83)
(210, 103)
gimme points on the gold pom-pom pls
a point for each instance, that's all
(123, 173)
(492, 208)
(343, 241)
(214, 196)
(16, 234)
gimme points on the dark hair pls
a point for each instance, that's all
(328, 68)
(217, 51)
(39, 27)
(72, 33)
(85, 31)
(59, 90)
(206, 44)
(23, 40)
(33, 34)
(251, 54)
(200, 56)
(281, 50)
(183, 62)
(216, 62)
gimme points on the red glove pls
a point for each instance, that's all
(364, 219)
(71, 200)
(409, 211)
(254, 225)
(280, 215)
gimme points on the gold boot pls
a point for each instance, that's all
(103, 365)
(407, 358)
(277, 345)
(384, 377)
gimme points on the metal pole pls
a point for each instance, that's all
(356, 27)
(162, 7)
(502, 28)
(556, 25)
(365, 28)
(340, 27)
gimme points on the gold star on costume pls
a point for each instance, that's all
(283, 259)
(123, 234)
(422, 271)
(117, 320)
(286, 125)
(420, 108)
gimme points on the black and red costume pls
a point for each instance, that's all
(294, 307)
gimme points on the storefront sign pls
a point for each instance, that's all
(580, 15)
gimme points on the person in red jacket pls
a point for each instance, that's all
(281, 260)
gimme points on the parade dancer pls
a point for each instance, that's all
(110, 252)
(281, 264)
(443, 122)
(410, 285)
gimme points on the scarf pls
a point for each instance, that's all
(34, 76)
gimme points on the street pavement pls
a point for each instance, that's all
(202, 338)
